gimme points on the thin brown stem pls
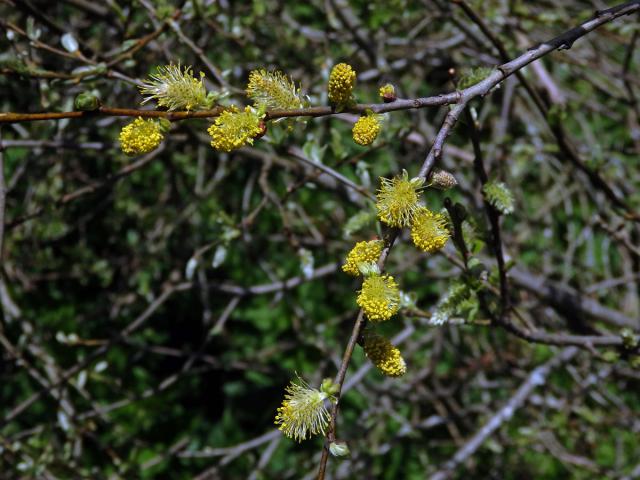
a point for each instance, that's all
(3, 196)
(563, 41)
(492, 214)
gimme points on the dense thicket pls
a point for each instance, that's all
(153, 308)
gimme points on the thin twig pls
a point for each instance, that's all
(535, 379)
(492, 214)
(557, 129)
(3, 196)
(562, 41)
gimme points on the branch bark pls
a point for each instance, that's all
(563, 41)
(535, 379)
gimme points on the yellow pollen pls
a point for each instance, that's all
(140, 136)
(365, 130)
(362, 253)
(429, 230)
(379, 297)
(384, 355)
(233, 129)
(341, 81)
(397, 200)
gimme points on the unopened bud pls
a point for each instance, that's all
(629, 339)
(339, 449)
(263, 129)
(443, 180)
(388, 93)
(329, 387)
(86, 102)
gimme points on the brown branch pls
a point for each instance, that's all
(566, 148)
(492, 214)
(88, 189)
(11, 117)
(535, 379)
(561, 339)
(140, 43)
(98, 353)
(322, 111)
(482, 88)
(3, 197)
(570, 302)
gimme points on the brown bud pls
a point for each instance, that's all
(263, 129)
(443, 180)
(388, 93)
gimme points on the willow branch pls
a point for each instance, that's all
(321, 111)
(563, 41)
(3, 196)
(536, 378)
(482, 88)
(557, 129)
(492, 214)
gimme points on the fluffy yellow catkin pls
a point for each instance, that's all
(302, 413)
(379, 297)
(140, 136)
(273, 90)
(175, 88)
(429, 230)
(341, 82)
(384, 355)
(233, 129)
(362, 254)
(366, 129)
(397, 199)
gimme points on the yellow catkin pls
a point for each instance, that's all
(397, 200)
(233, 129)
(140, 136)
(379, 297)
(429, 230)
(366, 129)
(273, 90)
(384, 355)
(341, 81)
(175, 88)
(363, 253)
(302, 413)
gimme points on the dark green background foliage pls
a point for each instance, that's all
(206, 369)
